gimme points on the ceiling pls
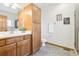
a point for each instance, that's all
(21, 5)
(10, 10)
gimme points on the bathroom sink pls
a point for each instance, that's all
(14, 32)
(8, 34)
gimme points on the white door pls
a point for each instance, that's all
(77, 29)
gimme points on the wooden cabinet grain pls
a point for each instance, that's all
(8, 50)
(16, 46)
(2, 51)
(11, 50)
(29, 38)
(36, 37)
(36, 14)
(2, 42)
(3, 23)
(14, 40)
(36, 21)
(23, 48)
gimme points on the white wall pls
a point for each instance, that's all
(63, 34)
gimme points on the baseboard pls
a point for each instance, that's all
(65, 48)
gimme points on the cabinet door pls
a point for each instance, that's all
(1, 19)
(36, 36)
(8, 50)
(22, 48)
(2, 42)
(36, 14)
(28, 37)
(1, 22)
(29, 46)
(11, 50)
(2, 51)
(4, 22)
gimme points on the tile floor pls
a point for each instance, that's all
(50, 50)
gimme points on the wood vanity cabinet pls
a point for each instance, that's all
(36, 37)
(24, 47)
(36, 14)
(32, 13)
(8, 50)
(14, 40)
(29, 38)
(2, 42)
(16, 46)
(36, 29)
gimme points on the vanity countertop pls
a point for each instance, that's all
(8, 34)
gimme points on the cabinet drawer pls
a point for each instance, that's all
(19, 38)
(2, 42)
(13, 40)
(27, 37)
